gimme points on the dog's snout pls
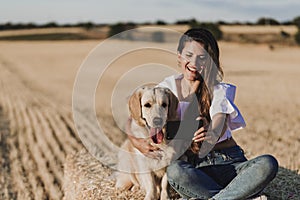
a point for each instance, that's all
(157, 121)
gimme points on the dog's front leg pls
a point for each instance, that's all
(149, 185)
(164, 195)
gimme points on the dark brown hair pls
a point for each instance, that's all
(213, 73)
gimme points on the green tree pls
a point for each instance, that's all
(86, 25)
(296, 21)
(120, 27)
(297, 36)
(182, 22)
(267, 21)
(213, 28)
(50, 25)
(160, 22)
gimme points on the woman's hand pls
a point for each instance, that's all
(144, 145)
(217, 128)
(201, 134)
(212, 133)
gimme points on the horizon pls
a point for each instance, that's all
(154, 22)
(147, 22)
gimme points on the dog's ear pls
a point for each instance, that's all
(173, 104)
(135, 106)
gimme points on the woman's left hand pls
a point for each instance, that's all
(200, 134)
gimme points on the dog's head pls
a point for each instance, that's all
(152, 107)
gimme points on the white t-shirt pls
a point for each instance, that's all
(222, 102)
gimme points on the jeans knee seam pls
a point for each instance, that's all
(184, 191)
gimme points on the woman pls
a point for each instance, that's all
(219, 170)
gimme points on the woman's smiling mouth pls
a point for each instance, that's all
(191, 69)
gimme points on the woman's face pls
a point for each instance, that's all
(192, 59)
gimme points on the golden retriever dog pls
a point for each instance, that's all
(150, 108)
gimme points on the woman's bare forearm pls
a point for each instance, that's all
(218, 126)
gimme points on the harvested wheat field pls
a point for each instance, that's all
(41, 153)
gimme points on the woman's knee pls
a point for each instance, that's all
(269, 165)
(175, 171)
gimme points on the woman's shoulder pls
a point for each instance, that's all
(223, 89)
(224, 86)
(170, 81)
(173, 78)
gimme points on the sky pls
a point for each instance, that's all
(112, 11)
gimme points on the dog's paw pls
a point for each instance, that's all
(135, 188)
(164, 195)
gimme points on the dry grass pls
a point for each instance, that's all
(40, 31)
(234, 29)
(54, 34)
(258, 29)
(34, 151)
(285, 185)
(272, 35)
(86, 178)
(37, 129)
(281, 34)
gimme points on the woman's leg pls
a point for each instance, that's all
(190, 182)
(252, 177)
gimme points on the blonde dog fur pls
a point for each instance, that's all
(150, 108)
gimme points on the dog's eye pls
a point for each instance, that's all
(147, 105)
(164, 105)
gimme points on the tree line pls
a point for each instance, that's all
(123, 26)
(89, 25)
(213, 27)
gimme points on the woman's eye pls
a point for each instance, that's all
(164, 105)
(202, 57)
(147, 105)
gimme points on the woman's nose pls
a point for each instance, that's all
(194, 61)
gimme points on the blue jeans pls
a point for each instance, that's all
(224, 174)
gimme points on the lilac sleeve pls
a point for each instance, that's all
(223, 102)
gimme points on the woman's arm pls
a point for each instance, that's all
(213, 131)
(142, 144)
(209, 136)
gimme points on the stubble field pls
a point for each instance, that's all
(37, 128)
